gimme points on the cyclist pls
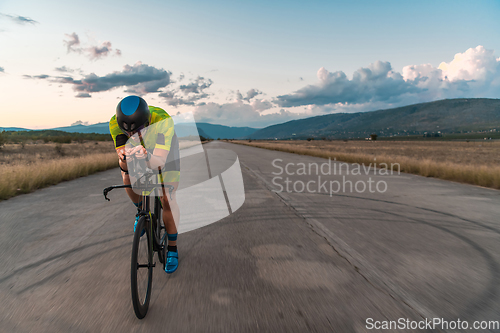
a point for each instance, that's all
(161, 148)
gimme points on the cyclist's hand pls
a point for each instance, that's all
(140, 152)
(121, 154)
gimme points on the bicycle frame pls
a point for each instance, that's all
(145, 209)
(152, 223)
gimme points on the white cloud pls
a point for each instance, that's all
(377, 82)
(474, 64)
(473, 73)
(241, 114)
(260, 105)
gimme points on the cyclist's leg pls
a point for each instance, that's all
(171, 176)
(171, 213)
(136, 198)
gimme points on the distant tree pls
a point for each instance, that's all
(59, 149)
(3, 139)
(373, 137)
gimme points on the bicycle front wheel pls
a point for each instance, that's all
(141, 272)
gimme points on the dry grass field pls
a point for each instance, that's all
(475, 163)
(25, 168)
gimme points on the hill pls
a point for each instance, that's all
(100, 128)
(206, 130)
(13, 129)
(445, 116)
(225, 132)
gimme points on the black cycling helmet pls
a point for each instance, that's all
(132, 113)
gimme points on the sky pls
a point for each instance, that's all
(240, 63)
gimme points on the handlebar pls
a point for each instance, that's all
(110, 188)
(148, 173)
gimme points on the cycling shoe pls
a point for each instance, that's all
(135, 225)
(172, 262)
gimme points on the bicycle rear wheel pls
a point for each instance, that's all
(141, 272)
(159, 231)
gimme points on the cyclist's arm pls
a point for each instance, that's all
(120, 141)
(162, 147)
(158, 159)
(121, 158)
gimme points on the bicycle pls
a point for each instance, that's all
(141, 269)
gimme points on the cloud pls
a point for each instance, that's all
(249, 95)
(64, 69)
(261, 105)
(83, 95)
(19, 19)
(239, 96)
(79, 122)
(474, 64)
(41, 76)
(197, 86)
(474, 73)
(239, 113)
(377, 82)
(73, 40)
(187, 94)
(2, 70)
(139, 79)
(95, 52)
(176, 101)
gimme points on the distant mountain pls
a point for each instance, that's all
(225, 132)
(13, 129)
(183, 129)
(189, 129)
(100, 128)
(450, 115)
(204, 129)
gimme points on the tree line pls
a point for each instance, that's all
(50, 136)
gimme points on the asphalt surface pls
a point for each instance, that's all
(283, 262)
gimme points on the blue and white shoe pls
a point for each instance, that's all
(172, 262)
(135, 225)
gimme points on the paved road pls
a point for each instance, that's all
(284, 262)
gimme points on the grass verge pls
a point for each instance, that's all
(18, 179)
(482, 175)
